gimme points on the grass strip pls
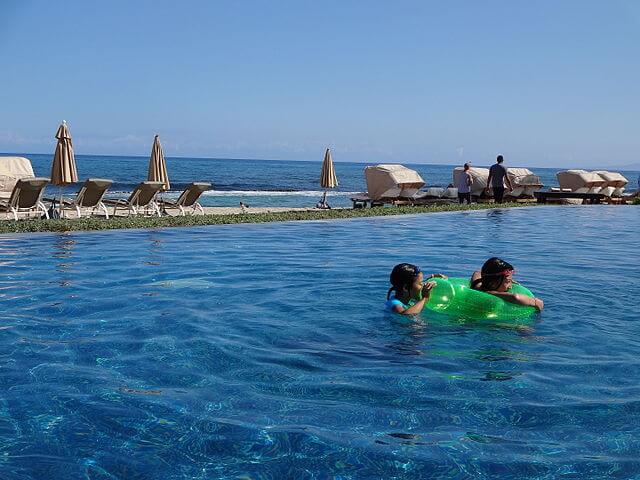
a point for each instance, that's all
(97, 223)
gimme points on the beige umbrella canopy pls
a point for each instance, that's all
(63, 170)
(328, 177)
(158, 165)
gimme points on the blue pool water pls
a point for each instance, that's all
(263, 351)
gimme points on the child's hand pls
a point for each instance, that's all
(426, 289)
(438, 275)
(538, 303)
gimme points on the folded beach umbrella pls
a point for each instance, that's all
(158, 165)
(63, 169)
(328, 177)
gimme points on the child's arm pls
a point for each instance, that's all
(475, 276)
(520, 299)
(419, 305)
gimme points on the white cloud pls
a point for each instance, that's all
(13, 140)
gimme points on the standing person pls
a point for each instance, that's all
(497, 178)
(464, 185)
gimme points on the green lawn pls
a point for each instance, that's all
(96, 223)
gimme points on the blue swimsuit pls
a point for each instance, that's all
(393, 301)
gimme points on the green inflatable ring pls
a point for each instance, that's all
(455, 297)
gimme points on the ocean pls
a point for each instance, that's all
(259, 183)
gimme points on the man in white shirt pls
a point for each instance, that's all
(464, 185)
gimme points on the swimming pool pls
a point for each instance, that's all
(263, 351)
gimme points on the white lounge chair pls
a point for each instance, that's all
(89, 197)
(141, 200)
(26, 197)
(188, 199)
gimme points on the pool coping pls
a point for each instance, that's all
(32, 227)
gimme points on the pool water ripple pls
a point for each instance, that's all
(263, 351)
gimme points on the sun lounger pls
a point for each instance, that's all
(431, 193)
(524, 182)
(431, 196)
(361, 200)
(434, 196)
(451, 193)
(141, 200)
(616, 183)
(581, 181)
(26, 196)
(388, 184)
(11, 170)
(188, 199)
(90, 196)
(392, 182)
(583, 197)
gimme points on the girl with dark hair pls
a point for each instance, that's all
(496, 278)
(411, 293)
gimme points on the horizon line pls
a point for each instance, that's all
(630, 167)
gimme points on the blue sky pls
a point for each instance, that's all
(546, 83)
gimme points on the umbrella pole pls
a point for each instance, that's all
(163, 208)
(60, 206)
(324, 198)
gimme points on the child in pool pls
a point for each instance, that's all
(496, 278)
(411, 293)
